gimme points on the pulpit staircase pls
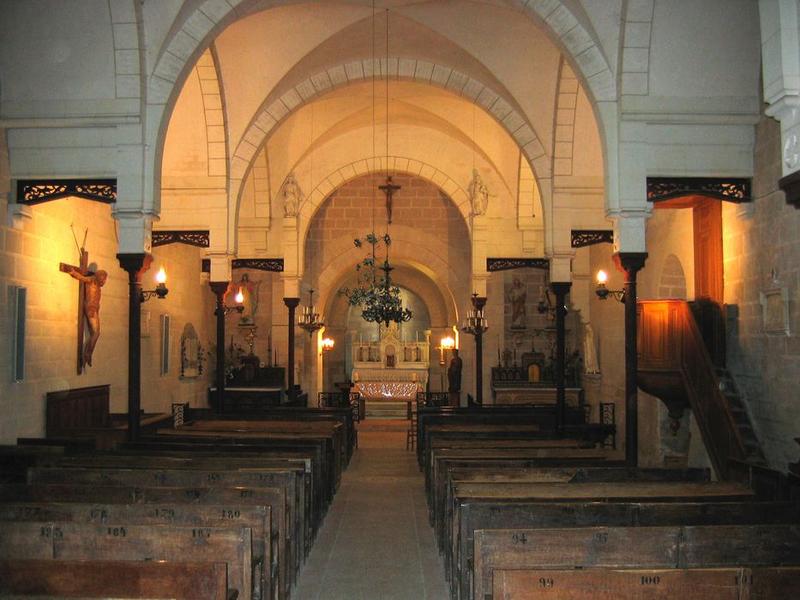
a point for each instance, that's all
(685, 369)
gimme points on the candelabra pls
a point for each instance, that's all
(309, 319)
(476, 323)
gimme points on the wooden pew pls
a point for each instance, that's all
(522, 515)
(766, 583)
(480, 474)
(632, 547)
(73, 541)
(176, 478)
(104, 579)
(271, 497)
(598, 492)
(257, 518)
(343, 415)
(213, 466)
(223, 445)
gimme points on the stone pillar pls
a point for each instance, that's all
(291, 304)
(631, 263)
(220, 288)
(135, 264)
(560, 289)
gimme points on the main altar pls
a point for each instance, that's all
(391, 368)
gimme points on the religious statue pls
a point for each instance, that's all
(292, 196)
(517, 297)
(250, 292)
(454, 378)
(589, 351)
(92, 282)
(478, 194)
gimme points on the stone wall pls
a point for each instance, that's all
(761, 244)
(30, 257)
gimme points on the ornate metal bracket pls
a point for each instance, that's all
(589, 237)
(192, 238)
(38, 191)
(506, 264)
(728, 189)
(274, 265)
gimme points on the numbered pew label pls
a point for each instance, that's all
(546, 582)
(164, 513)
(246, 493)
(193, 494)
(601, 538)
(214, 477)
(650, 580)
(519, 538)
(117, 532)
(201, 534)
(98, 514)
(228, 513)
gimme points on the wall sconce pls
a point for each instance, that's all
(603, 292)
(161, 290)
(327, 344)
(446, 343)
(239, 307)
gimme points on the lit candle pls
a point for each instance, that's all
(239, 297)
(602, 277)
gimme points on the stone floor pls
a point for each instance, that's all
(376, 543)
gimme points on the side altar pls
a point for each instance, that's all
(391, 368)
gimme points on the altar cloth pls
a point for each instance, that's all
(388, 390)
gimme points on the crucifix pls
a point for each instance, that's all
(89, 284)
(389, 189)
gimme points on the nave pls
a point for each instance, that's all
(376, 541)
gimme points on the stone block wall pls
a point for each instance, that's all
(30, 257)
(761, 244)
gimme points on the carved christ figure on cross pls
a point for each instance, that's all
(89, 296)
(389, 189)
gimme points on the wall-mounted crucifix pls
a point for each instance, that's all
(90, 282)
(389, 189)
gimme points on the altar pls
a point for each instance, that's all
(392, 368)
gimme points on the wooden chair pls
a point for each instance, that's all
(411, 415)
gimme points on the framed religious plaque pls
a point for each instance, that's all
(775, 310)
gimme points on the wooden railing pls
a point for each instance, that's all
(675, 366)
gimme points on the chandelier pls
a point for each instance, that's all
(376, 294)
(309, 319)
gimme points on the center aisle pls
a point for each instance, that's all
(376, 542)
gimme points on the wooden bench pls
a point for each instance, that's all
(73, 541)
(521, 515)
(257, 518)
(766, 583)
(104, 579)
(257, 478)
(271, 497)
(686, 547)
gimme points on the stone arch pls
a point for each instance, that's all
(198, 24)
(395, 164)
(207, 68)
(672, 281)
(271, 115)
(566, 107)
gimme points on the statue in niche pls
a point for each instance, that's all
(250, 292)
(517, 297)
(478, 194)
(292, 196)
(589, 351)
(454, 378)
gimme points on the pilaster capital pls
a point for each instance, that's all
(561, 267)
(135, 229)
(221, 269)
(630, 228)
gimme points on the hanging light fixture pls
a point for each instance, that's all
(376, 294)
(309, 319)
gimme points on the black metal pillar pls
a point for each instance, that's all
(631, 263)
(560, 289)
(478, 302)
(135, 264)
(220, 288)
(291, 304)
